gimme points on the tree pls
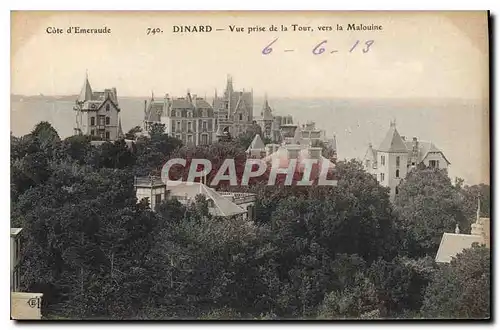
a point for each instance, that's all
(216, 153)
(461, 289)
(428, 205)
(153, 152)
(112, 155)
(86, 242)
(470, 194)
(156, 130)
(46, 134)
(132, 133)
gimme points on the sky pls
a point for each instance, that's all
(416, 55)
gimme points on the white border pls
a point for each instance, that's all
(493, 5)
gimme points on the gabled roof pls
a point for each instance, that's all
(223, 207)
(424, 148)
(392, 141)
(257, 143)
(453, 244)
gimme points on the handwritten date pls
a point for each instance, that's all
(321, 47)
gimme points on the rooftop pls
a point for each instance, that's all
(453, 244)
(393, 141)
(148, 182)
(187, 191)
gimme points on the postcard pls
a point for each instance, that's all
(250, 165)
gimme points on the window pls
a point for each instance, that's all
(204, 112)
(433, 163)
(177, 113)
(92, 121)
(204, 139)
(210, 203)
(102, 120)
(107, 120)
(397, 161)
(190, 124)
(173, 126)
(107, 135)
(382, 160)
(157, 199)
(241, 116)
(227, 105)
(107, 107)
(204, 125)
(382, 177)
(368, 163)
(178, 126)
(397, 190)
(190, 139)
(92, 132)
(397, 173)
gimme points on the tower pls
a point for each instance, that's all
(392, 160)
(266, 120)
(97, 113)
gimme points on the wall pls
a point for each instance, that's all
(435, 156)
(389, 170)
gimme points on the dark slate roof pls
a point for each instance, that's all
(86, 92)
(155, 110)
(202, 103)
(181, 103)
(392, 141)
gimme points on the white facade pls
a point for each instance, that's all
(151, 188)
(395, 157)
(391, 170)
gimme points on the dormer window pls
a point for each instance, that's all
(107, 107)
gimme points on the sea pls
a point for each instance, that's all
(458, 127)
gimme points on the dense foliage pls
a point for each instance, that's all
(313, 252)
